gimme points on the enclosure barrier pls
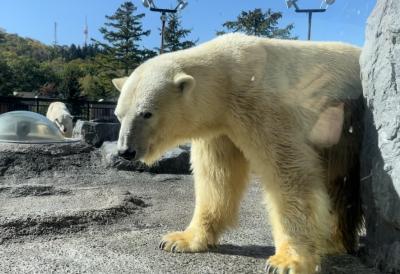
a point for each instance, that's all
(80, 109)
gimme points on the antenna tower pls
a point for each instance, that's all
(55, 33)
(86, 32)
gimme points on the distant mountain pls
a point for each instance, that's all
(12, 44)
(57, 71)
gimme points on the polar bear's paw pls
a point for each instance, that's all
(183, 241)
(284, 263)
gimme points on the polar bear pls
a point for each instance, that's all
(289, 111)
(59, 114)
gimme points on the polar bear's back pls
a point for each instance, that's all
(281, 63)
(236, 44)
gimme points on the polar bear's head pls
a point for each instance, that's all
(158, 107)
(59, 114)
(64, 122)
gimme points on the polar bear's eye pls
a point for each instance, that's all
(182, 86)
(147, 115)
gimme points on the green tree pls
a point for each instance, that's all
(2, 37)
(93, 88)
(122, 34)
(174, 35)
(69, 86)
(6, 75)
(26, 47)
(259, 23)
(52, 71)
(29, 75)
(105, 72)
(73, 52)
(90, 51)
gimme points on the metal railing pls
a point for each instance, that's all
(80, 109)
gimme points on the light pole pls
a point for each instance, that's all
(324, 6)
(150, 4)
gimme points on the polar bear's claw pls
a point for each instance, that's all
(162, 244)
(285, 263)
(173, 249)
(271, 269)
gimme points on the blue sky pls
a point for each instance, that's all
(344, 21)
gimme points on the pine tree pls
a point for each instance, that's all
(2, 37)
(72, 52)
(259, 23)
(174, 35)
(122, 34)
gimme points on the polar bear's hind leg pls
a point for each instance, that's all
(300, 213)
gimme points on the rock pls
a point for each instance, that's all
(96, 133)
(175, 161)
(111, 159)
(380, 71)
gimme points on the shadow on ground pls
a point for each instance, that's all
(253, 251)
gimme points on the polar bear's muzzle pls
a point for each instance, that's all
(127, 153)
(125, 150)
(60, 125)
(129, 145)
(135, 135)
(131, 153)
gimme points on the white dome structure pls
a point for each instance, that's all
(30, 128)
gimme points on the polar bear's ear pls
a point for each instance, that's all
(119, 82)
(184, 82)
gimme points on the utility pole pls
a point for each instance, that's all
(150, 4)
(163, 19)
(293, 3)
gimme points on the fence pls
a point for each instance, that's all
(80, 109)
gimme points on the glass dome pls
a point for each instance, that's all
(30, 128)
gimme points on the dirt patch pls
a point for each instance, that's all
(32, 190)
(26, 161)
(32, 211)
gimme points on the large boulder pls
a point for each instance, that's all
(175, 161)
(380, 71)
(96, 133)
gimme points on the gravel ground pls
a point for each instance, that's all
(61, 211)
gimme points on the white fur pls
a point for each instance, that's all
(247, 103)
(59, 114)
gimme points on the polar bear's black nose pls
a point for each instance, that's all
(127, 154)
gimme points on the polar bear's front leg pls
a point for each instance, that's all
(221, 175)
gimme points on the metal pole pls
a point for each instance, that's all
(163, 18)
(37, 104)
(88, 111)
(309, 24)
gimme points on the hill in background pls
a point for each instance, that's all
(67, 72)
